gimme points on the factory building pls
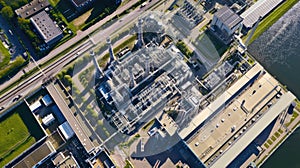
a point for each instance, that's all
(47, 29)
(32, 8)
(143, 83)
(226, 21)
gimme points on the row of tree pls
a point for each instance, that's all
(184, 49)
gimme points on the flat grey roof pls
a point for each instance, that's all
(228, 17)
(254, 131)
(260, 9)
(210, 109)
(45, 26)
(32, 8)
(75, 125)
(36, 156)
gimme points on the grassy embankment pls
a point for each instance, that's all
(271, 19)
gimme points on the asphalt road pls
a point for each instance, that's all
(36, 80)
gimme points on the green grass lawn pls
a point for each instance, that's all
(266, 145)
(4, 56)
(277, 134)
(295, 115)
(272, 18)
(15, 138)
(270, 142)
(30, 141)
(13, 131)
(18, 131)
(64, 9)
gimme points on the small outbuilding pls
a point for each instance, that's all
(48, 120)
(35, 106)
(47, 100)
(66, 130)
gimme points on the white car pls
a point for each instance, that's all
(152, 131)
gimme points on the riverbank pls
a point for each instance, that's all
(278, 51)
(272, 18)
(278, 138)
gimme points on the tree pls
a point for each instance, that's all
(7, 12)
(68, 80)
(100, 123)
(24, 23)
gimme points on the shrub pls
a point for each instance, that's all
(100, 123)
(68, 80)
(184, 49)
(12, 67)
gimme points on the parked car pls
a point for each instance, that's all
(152, 131)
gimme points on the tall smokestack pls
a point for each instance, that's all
(140, 34)
(131, 82)
(110, 50)
(99, 72)
(147, 65)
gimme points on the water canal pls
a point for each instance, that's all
(278, 50)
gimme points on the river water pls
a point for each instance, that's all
(278, 50)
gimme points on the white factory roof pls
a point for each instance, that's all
(220, 101)
(254, 131)
(244, 79)
(47, 100)
(33, 107)
(260, 8)
(66, 130)
(48, 119)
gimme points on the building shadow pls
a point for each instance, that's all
(102, 9)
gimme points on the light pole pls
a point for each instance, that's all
(37, 66)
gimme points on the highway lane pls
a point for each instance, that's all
(36, 80)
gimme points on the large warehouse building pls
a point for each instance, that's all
(47, 29)
(260, 9)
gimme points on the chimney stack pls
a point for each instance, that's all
(140, 34)
(110, 50)
(147, 65)
(99, 72)
(131, 82)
